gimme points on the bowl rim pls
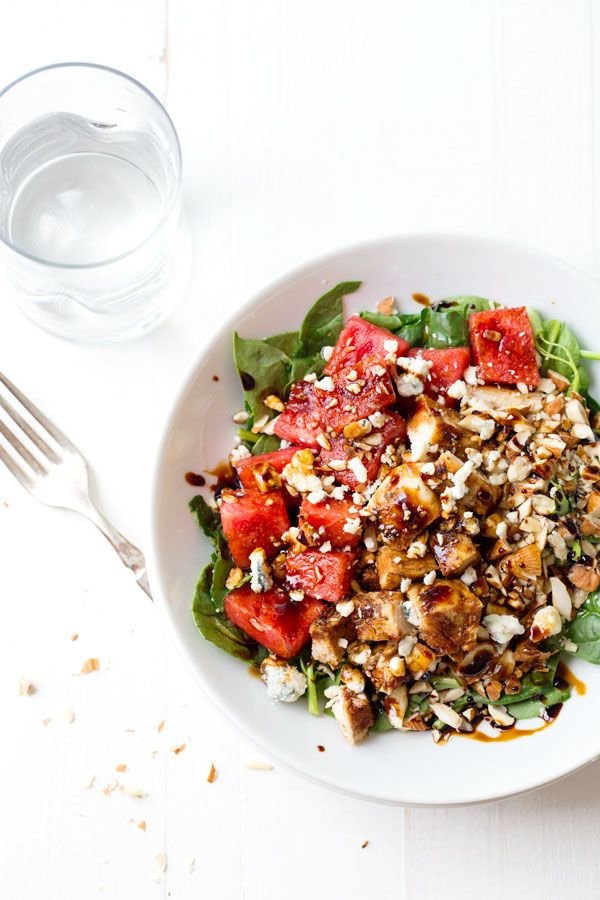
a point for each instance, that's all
(159, 595)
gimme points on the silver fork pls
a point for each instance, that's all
(56, 473)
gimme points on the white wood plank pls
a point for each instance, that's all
(130, 36)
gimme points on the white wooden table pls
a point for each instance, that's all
(304, 126)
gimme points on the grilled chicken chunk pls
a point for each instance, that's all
(454, 552)
(449, 615)
(481, 497)
(404, 504)
(326, 633)
(393, 565)
(378, 616)
(353, 713)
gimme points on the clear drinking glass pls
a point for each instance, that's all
(92, 230)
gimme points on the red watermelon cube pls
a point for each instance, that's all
(503, 346)
(251, 521)
(272, 619)
(448, 365)
(322, 576)
(360, 339)
(328, 519)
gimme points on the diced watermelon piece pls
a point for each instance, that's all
(359, 339)
(300, 422)
(375, 391)
(251, 521)
(272, 619)
(447, 366)
(328, 519)
(394, 430)
(253, 471)
(322, 576)
(503, 346)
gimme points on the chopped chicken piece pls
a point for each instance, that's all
(449, 615)
(404, 504)
(454, 552)
(379, 616)
(393, 565)
(353, 713)
(327, 631)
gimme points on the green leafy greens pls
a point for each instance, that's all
(584, 630)
(445, 324)
(207, 605)
(271, 366)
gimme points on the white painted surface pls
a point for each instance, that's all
(304, 126)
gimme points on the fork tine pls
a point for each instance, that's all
(37, 414)
(23, 452)
(15, 469)
(33, 436)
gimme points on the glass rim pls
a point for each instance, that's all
(174, 193)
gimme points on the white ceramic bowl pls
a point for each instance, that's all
(392, 767)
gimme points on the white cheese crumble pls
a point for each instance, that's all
(326, 353)
(409, 385)
(406, 645)
(299, 473)
(502, 628)
(458, 390)
(284, 682)
(470, 375)
(325, 384)
(377, 419)
(390, 346)
(352, 526)
(325, 547)
(430, 577)
(260, 572)
(469, 576)
(238, 453)
(405, 583)
(460, 478)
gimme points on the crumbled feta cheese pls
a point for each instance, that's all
(430, 577)
(377, 419)
(238, 453)
(470, 375)
(356, 465)
(406, 645)
(370, 538)
(417, 549)
(352, 526)
(416, 365)
(326, 352)
(469, 576)
(458, 390)
(405, 583)
(311, 377)
(339, 491)
(409, 385)
(459, 480)
(502, 628)
(284, 682)
(428, 469)
(299, 472)
(325, 384)
(260, 572)
(390, 346)
(317, 496)
(411, 613)
(325, 547)
(296, 596)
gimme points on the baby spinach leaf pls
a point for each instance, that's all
(266, 443)
(221, 569)
(288, 342)
(527, 709)
(214, 625)
(444, 327)
(208, 520)
(584, 630)
(325, 319)
(409, 326)
(465, 304)
(263, 370)
(382, 723)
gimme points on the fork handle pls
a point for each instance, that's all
(130, 555)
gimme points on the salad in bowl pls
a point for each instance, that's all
(404, 536)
